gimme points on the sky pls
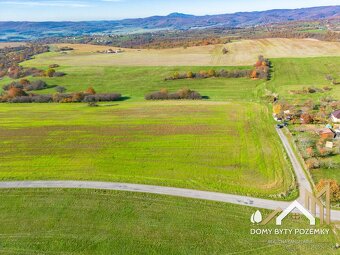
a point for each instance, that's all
(77, 10)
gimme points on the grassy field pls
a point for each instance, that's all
(241, 53)
(325, 173)
(295, 74)
(229, 147)
(288, 74)
(227, 144)
(103, 222)
(136, 82)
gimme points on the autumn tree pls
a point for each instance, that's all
(24, 82)
(164, 91)
(60, 89)
(77, 97)
(15, 92)
(183, 93)
(211, 73)
(277, 108)
(90, 91)
(254, 74)
(306, 118)
(50, 72)
(334, 187)
(176, 75)
(190, 75)
(203, 73)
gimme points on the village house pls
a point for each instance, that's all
(111, 51)
(326, 133)
(335, 116)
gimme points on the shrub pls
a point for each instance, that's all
(26, 85)
(31, 99)
(20, 99)
(190, 75)
(306, 118)
(24, 82)
(108, 97)
(60, 98)
(176, 75)
(184, 93)
(312, 163)
(53, 66)
(50, 72)
(157, 96)
(13, 85)
(212, 73)
(60, 89)
(36, 85)
(78, 97)
(312, 90)
(15, 92)
(42, 99)
(59, 74)
(181, 94)
(92, 104)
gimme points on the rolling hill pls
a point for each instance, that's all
(16, 31)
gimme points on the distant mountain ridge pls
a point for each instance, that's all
(21, 30)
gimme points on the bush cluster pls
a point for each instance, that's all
(210, 74)
(181, 94)
(16, 72)
(31, 99)
(102, 97)
(261, 69)
(84, 97)
(310, 90)
(26, 85)
(19, 95)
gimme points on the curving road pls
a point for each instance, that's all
(188, 193)
(300, 174)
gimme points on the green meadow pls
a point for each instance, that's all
(225, 143)
(228, 147)
(298, 73)
(103, 222)
(136, 82)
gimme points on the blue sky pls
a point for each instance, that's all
(56, 10)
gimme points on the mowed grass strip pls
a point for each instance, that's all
(105, 222)
(228, 147)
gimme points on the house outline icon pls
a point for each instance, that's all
(290, 208)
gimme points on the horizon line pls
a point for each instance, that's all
(145, 17)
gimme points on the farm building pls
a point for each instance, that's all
(326, 133)
(335, 116)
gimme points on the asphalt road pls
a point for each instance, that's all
(188, 193)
